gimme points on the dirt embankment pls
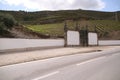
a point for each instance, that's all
(113, 35)
(23, 32)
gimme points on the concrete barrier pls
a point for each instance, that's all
(7, 44)
(12, 44)
(109, 42)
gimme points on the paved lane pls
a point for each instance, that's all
(103, 68)
(90, 66)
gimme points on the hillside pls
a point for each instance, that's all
(45, 17)
(50, 24)
(23, 32)
(107, 29)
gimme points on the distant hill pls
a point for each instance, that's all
(45, 17)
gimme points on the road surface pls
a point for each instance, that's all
(15, 58)
(102, 65)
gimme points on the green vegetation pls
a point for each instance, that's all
(51, 23)
(48, 29)
(46, 17)
(6, 22)
(104, 27)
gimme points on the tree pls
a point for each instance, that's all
(7, 21)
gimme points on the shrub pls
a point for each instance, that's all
(7, 21)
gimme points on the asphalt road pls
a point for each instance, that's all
(91, 66)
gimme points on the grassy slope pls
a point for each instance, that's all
(48, 29)
(56, 29)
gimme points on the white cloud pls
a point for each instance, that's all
(57, 4)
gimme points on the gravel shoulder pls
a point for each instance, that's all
(21, 57)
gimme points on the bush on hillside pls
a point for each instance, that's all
(7, 21)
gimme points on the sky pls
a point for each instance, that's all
(40, 5)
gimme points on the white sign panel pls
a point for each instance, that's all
(73, 38)
(92, 38)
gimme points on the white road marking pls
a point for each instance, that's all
(87, 61)
(45, 76)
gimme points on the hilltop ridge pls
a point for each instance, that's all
(46, 17)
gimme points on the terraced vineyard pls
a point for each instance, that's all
(104, 27)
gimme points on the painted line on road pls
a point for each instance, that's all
(47, 75)
(90, 60)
